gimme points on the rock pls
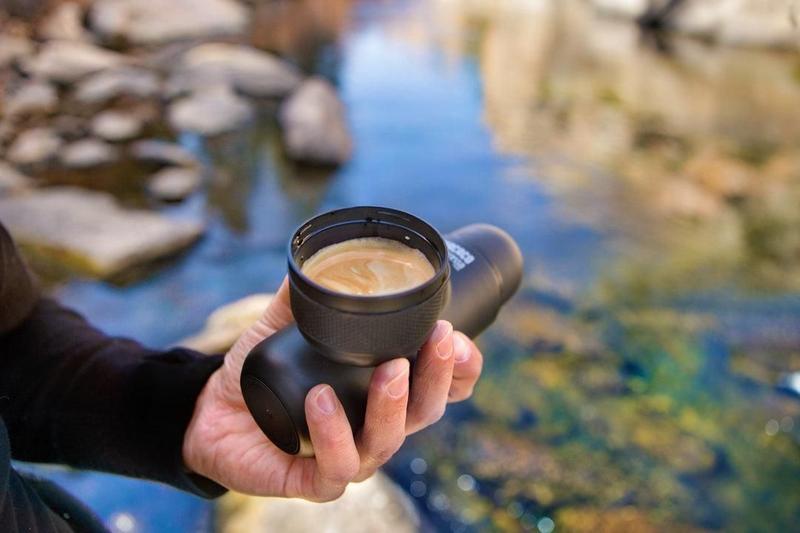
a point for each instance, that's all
(736, 22)
(624, 8)
(210, 112)
(90, 231)
(116, 126)
(33, 98)
(684, 198)
(158, 21)
(12, 180)
(313, 120)
(64, 22)
(124, 81)
(68, 61)
(162, 152)
(375, 506)
(249, 70)
(87, 153)
(13, 49)
(34, 146)
(227, 323)
(173, 184)
(719, 174)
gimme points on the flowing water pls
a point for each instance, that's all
(642, 379)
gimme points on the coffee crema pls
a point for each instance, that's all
(368, 266)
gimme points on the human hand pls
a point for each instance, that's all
(223, 442)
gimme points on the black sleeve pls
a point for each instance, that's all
(72, 395)
(18, 292)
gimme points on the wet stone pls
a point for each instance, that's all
(174, 184)
(12, 180)
(162, 152)
(68, 61)
(159, 21)
(87, 153)
(227, 323)
(13, 48)
(116, 126)
(124, 81)
(314, 124)
(248, 70)
(65, 22)
(735, 22)
(34, 146)
(210, 112)
(35, 97)
(376, 505)
(89, 231)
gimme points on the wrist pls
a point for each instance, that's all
(199, 430)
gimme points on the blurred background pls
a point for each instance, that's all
(156, 155)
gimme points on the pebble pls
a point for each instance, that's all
(116, 126)
(173, 184)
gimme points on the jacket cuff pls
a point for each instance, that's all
(168, 384)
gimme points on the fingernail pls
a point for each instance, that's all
(443, 339)
(397, 371)
(326, 402)
(460, 348)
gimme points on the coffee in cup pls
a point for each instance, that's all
(368, 266)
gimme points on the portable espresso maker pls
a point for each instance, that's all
(339, 338)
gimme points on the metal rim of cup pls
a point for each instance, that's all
(325, 228)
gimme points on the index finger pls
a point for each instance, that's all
(279, 312)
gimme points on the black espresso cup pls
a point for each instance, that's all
(366, 330)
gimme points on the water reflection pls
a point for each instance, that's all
(650, 401)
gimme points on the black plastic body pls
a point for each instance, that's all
(366, 330)
(485, 271)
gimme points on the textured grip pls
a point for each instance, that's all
(367, 339)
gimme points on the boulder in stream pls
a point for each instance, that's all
(123, 81)
(734, 22)
(116, 125)
(173, 184)
(68, 61)
(314, 124)
(224, 325)
(34, 146)
(89, 231)
(87, 153)
(376, 505)
(210, 112)
(159, 21)
(12, 180)
(13, 48)
(162, 152)
(65, 21)
(249, 70)
(32, 98)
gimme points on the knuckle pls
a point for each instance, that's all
(435, 415)
(333, 492)
(347, 473)
(365, 474)
(460, 395)
(380, 457)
